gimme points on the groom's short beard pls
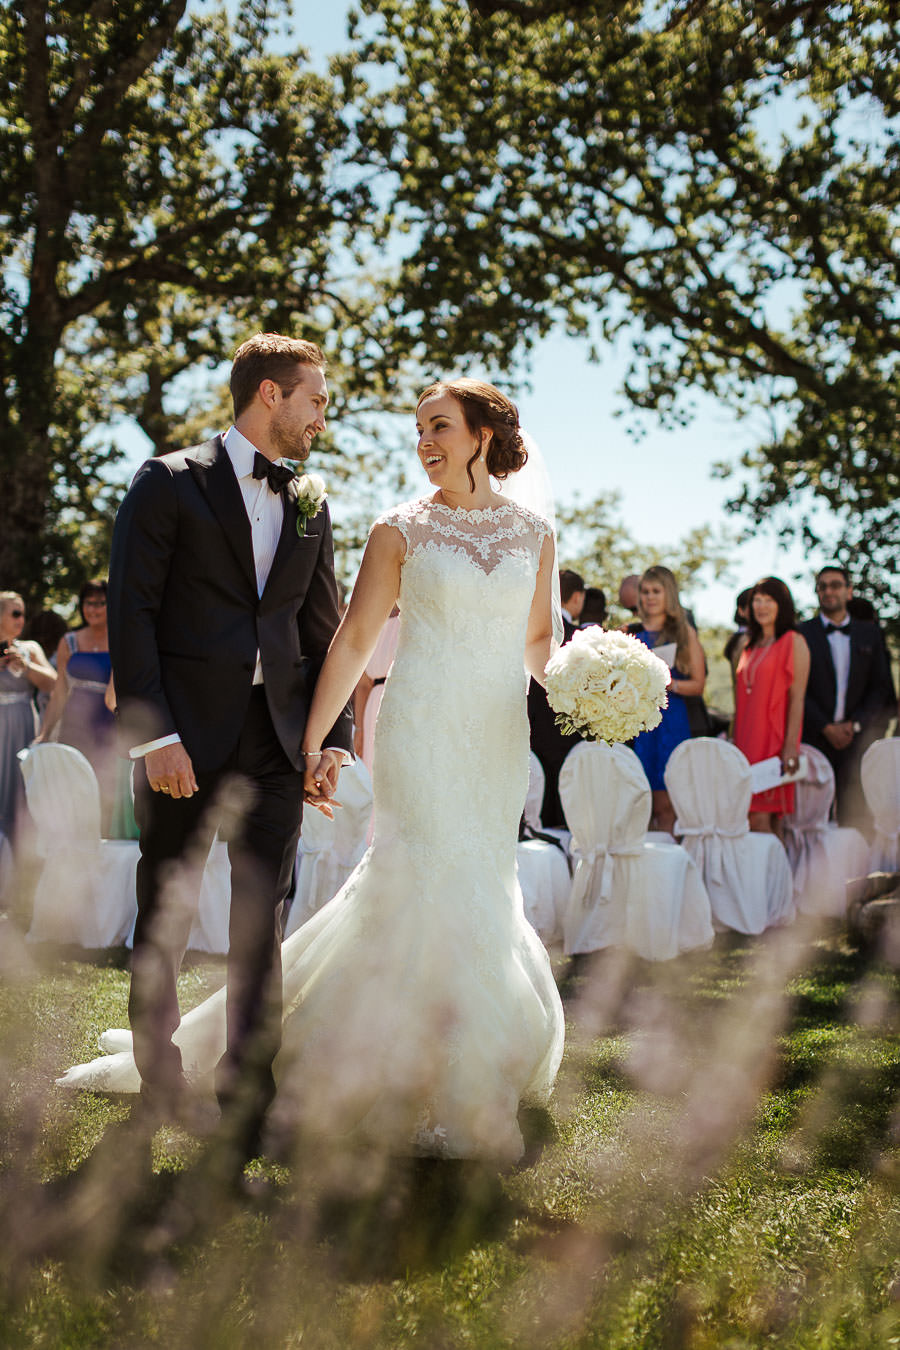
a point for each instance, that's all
(288, 443)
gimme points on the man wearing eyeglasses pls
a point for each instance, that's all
(850, 694)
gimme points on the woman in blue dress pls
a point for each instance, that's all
(665, 629)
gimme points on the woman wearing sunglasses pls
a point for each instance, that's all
(23, 669)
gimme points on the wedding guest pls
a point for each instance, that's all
(78, 703)
(664, 628)
(24, 669)
(571, 594)
(738, 640)
(123, 823)
(850, 697)
(630, 593)
(46, 627)
(770, 686)
(593, 611)
(547, 741)
(858, 607)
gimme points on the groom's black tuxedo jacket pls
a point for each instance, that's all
(870, 692)
(185, 620)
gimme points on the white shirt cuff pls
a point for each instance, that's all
(139, 751)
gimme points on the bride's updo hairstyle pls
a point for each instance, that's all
(486, 409)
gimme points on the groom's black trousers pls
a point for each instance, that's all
(256, 796)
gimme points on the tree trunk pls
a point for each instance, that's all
(26, 464)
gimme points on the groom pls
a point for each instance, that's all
(222, 603)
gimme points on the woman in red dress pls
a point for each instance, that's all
(769, 689)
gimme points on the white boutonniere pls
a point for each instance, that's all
(308, 491)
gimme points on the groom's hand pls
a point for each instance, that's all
(170, 771)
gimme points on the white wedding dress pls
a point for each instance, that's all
(420, 1007)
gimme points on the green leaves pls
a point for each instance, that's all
(721, 188)
(169, 185)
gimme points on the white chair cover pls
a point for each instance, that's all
(534, 798)
(823, 857)
(209, 931)
(880, 774)
(329, 850)
(625, 892)
(747, 876)
(85, 893)
(545, 883)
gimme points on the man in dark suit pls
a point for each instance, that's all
(222, 604)
(850, 692)
(547, 741)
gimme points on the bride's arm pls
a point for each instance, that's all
(374, 595)
(539, 643)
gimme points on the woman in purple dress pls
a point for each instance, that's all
(78, 703)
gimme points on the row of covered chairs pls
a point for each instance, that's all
(641, 890)
(85, 894)
(606, 882)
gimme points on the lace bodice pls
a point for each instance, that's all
(485, 537)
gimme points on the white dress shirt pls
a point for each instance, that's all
(840, 655)
(265, 511)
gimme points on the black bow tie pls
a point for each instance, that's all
(836, 628)
(279, 475)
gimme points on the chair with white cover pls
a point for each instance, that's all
(329, 850)
(625, 892)
(823, 856)
(535, 795)
(747, 875)
(880, 774)
(209, 931)
(545, 882)
(85, 893)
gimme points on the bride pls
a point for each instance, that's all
(420, 1008)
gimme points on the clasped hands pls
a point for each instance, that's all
(838, 734)
(320, 779)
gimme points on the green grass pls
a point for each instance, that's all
(725, 1174)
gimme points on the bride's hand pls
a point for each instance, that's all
(320, 779)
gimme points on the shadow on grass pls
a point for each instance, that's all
(121, 1217)
(428, 1211)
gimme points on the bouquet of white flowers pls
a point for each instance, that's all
(606, 686)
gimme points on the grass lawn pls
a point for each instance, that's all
(724, 1172)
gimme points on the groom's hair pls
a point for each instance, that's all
(270, 356)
